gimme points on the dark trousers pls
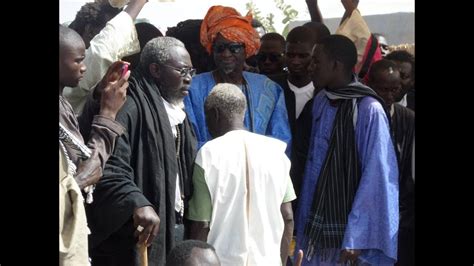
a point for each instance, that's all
(406, 247)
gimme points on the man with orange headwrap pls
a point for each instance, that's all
(230, 38)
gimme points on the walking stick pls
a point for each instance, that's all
(143, 255)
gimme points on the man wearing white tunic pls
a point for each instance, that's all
(242, 188)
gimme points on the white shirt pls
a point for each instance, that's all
(176, 116)
(247, 187)
(302, 96)
(116, 40)
(403, 101)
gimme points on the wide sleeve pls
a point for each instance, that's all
(373, 221)
(73, 230)
(278, 126)
(117, 195)
(99, 133)
(115, 41)
(194, 106)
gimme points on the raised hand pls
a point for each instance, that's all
(113, 90)
(350, 5)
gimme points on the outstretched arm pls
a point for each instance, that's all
(134, 7)
(116, 40)
(314, 11)
(103, 129)
(349, 6)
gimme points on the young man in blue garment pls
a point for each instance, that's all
(348, 210)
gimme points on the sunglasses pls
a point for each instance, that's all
(233, 47)
(273, 57)
(184, 71)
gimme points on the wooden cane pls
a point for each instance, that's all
(143, 255)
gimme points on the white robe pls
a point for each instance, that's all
(246, 226)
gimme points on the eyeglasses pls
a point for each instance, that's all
(273, 57)
(183, 72)
(233, 47)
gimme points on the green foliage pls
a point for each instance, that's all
(289, 14)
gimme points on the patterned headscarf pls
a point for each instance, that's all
(232, 26)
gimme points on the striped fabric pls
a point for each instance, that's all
(68, 139)
(339, 177)
(336, 186)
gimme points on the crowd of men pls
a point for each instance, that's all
(218, 145)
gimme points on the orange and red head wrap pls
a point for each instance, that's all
(232, 26)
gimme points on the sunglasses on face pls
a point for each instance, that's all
(273, 57)
(184, 71)
(233, 47)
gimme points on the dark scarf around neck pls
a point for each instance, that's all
(339, 177)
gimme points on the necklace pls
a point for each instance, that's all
(178, 147)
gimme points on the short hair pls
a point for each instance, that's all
(256, 23)
(403, 56)
(145, 32)
(340, 48)
(273, 36)
(158, 50)
(95, 14)
(228, 99)
(320, 30)
(381, 66)
(301, 34)
(67, 36)
(188, 31)
(182, 251)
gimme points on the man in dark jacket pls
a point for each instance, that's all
(147, 179)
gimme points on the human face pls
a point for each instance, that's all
(383, 45)
(71, 64)
(226, 60)
(387, 85)
(270, 57)
(212, 123)
(322, 68)
(173, 85)
(298, 58)
(407, 78)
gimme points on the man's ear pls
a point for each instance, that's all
(155, 70)
(214, 115)
(212, 121)
(337, 65)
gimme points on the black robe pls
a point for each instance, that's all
(403, 130)
(141, 171)
(290, 102)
